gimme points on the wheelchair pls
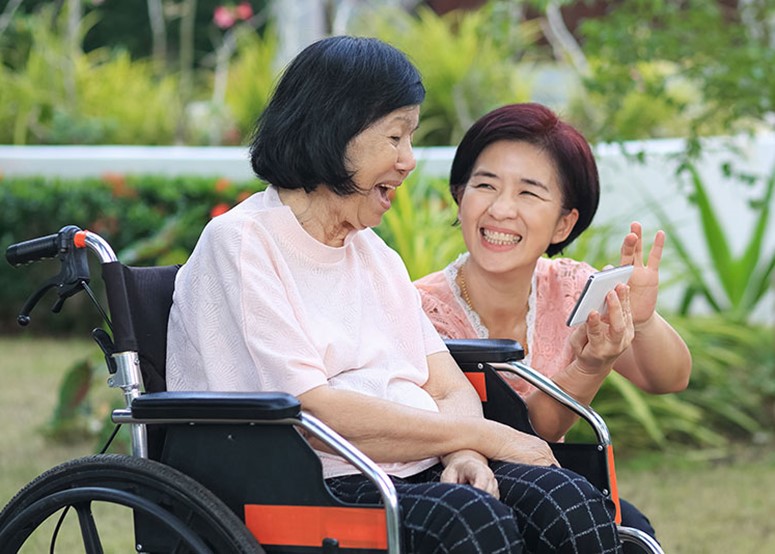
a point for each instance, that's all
(233, 472)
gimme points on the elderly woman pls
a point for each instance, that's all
(292, 291)
(526, 184)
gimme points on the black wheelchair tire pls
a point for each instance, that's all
(134, 482)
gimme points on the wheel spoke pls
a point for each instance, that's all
(89, 532)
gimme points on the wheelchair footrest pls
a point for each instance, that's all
(216, 406)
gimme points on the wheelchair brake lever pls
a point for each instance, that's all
(65, 291)
(23, 318)
(103, 340)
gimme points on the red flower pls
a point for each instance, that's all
(244, 195)
(243, 11)
(219, 209)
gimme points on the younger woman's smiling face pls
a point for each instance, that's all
(511, 209)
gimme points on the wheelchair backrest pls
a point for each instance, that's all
(149, 292)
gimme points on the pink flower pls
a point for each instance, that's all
(223, 17)
(244, 11)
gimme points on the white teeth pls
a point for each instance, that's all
(496, 237)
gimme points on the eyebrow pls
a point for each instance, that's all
(490, 174)
(405, 119)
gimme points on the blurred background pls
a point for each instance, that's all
(130, 118)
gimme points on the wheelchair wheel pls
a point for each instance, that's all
(187, 516)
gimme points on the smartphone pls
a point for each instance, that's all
(593, 296)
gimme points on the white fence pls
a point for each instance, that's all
(628, 185)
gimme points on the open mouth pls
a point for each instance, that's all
(387, 192)
(500, 239)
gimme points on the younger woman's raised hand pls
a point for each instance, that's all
(644, 281)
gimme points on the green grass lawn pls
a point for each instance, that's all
(31, 370)
(697, 502)
(705, 507)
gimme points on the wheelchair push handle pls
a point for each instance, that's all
(69, 241)
(33, 250)
(73, 271)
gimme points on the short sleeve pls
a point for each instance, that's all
(432, 339)
(441, 307)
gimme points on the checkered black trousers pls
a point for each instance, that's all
(541, 510)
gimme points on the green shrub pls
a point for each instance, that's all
(687, 69)
(467, 67)
(134, 105)
(251, 78)
(57, 94)
(148, 220)
(733, 378)
(730, 397)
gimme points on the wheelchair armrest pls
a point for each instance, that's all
(268, 406)
(471, 351)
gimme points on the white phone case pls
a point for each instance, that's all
(593, 296)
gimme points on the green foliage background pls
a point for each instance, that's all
(689, 69)
(148, 220)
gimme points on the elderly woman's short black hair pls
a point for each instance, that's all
(333, 90)
(541, 127)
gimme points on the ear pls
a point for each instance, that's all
(565, 225)
(459, 196)
(459, 204)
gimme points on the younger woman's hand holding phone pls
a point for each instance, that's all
(602, 338)
(593, 296)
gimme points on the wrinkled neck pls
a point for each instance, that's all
(318, 212)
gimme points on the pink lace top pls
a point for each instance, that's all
(557, 284)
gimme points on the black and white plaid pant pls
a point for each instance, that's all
(541, 510)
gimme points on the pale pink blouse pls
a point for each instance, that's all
(262, 306)
(557, 284)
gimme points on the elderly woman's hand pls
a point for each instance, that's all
(467, 467)
(602, 339)
(520, 448)
(644, 282)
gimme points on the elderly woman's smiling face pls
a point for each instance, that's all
(380, 158)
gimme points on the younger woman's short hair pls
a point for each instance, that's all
(537, 125)
(334, 89)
